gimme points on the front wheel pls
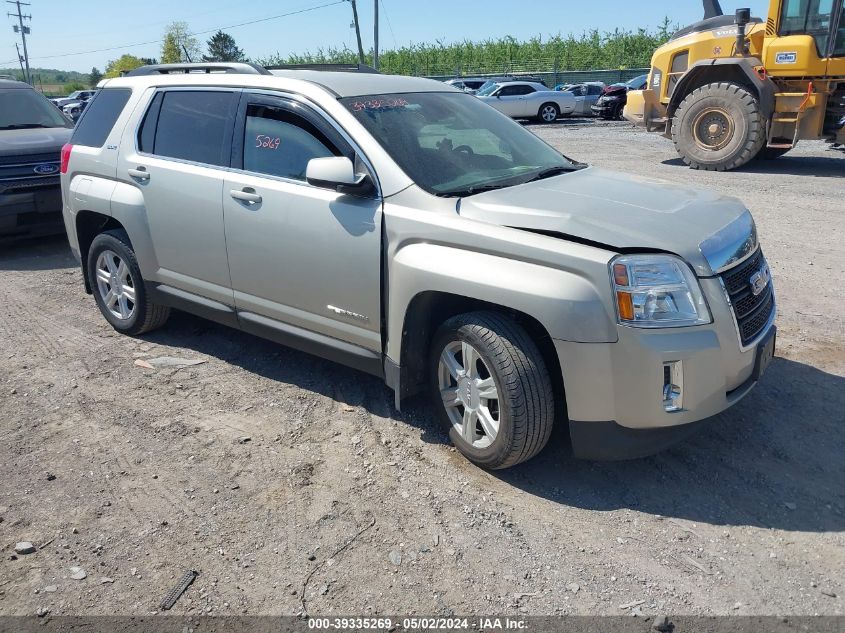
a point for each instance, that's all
(492, 389)
(548, 113)
(719, 127)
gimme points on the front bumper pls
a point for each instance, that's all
(614, 390)
(605, 109)
(30, 211)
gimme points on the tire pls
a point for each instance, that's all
(771, 153)
(718, 127)
(548, 112)
(112, 264)
(618, 109)
(509, 362)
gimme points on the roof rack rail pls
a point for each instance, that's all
(337, 68)
(231, 68)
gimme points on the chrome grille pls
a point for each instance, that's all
(752, 312)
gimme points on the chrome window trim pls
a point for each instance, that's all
(281, 92)
(318, 110)
(731, 245)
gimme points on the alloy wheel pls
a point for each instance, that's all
(469, 394)
(549, 114)
(115, 285)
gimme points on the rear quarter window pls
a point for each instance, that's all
(189, 125)
(100, 116)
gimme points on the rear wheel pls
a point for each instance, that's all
(548, 113)
(718, 127)
(492, 389)
(118, 286)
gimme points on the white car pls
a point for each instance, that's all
(527, 100)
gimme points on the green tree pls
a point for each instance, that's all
(178, 46)
(94, 77)
(123, 64)
(222, 48)
(73, 86)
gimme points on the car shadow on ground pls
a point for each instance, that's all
(43, 253)
(774, 460)
(824, 166)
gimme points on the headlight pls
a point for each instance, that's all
(657, 291)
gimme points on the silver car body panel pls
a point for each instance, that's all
(620, 210)
(528, 106)
(346, 271)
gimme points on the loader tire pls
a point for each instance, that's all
(719, 127)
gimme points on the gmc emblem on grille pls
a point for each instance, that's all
(760, 280)
(45, 169)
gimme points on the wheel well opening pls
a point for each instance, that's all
(428, 310)
(701, 76)
(89, 224)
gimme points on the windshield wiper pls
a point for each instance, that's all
(554, 171)
(23, 126)
(471, 191)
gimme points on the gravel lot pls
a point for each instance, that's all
(256, 466)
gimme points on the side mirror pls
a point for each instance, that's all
(338, 173)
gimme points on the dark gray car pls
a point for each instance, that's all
(32, 133)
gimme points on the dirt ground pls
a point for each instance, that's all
(257, 465)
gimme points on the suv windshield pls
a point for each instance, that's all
(452, 144)
(22, 108)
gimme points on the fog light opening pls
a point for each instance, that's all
(673, 386)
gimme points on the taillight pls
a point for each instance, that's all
(66, 149)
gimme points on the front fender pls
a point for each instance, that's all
(568, 305)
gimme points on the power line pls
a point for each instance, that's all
(214, 30)
(389, 25)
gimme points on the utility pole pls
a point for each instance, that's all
(20, 61)
(375, 35)
(361, 59)
(24, 31)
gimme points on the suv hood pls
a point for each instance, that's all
(620, 211)
(33, 141)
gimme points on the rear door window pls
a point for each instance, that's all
(192, 125)
(100, 116)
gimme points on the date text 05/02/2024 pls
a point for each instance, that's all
(417, 624)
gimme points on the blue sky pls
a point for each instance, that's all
(62, 28)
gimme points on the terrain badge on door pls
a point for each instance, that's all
(348, 313)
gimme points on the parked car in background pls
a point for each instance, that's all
(79, 95)
(497, 80)
(527, 100)
(32, 133)
(586, 96)
(74, 110)
(612, 101)
(467, 84)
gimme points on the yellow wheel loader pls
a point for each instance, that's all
(730, 89)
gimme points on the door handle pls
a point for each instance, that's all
(246, 195)
(140, 173)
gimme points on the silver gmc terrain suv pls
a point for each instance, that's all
(405, 228)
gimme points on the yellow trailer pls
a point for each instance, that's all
(729, 89)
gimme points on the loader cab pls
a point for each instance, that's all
(808, 38)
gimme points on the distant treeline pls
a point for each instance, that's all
(592, 50)
(48, 75)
